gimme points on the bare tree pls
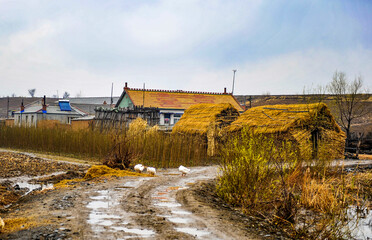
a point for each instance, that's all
(347, 97)
(66, 95)
(32, 92)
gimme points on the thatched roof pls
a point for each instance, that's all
(164, 99)
(281, 118)
(199, 117)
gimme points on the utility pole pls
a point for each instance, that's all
(232, 91)
(112, 100)
(7, 109)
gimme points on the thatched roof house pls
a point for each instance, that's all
(171, 104)
(206, 119)
(312, 126)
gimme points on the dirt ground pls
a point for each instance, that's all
(167, 206)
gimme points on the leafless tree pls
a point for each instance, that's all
(32, 92)
(348, 100)
(66, 95)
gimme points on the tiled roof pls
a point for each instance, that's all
(177, 99)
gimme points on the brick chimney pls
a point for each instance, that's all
(22, 106)
(224, 91)
(126, 86)
(44, 105)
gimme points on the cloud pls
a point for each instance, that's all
(289, 73)
(191, 45)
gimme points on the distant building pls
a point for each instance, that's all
(171, 104)
(61, 112)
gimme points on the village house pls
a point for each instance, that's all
(59, 112)
(171, 104)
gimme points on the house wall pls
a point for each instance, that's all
(26, 119)
(33, 119)
(126, 102)
(9, 122)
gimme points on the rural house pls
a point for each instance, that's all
(58, 112)
(206, 120)
(171, 104)
(311, 126)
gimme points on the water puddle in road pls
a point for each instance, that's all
(105, 216)
(180, 212)
(193, 231)
(168, 204)
(179, 220)
(28, 183)
(164, 197)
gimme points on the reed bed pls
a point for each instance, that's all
(145, 145)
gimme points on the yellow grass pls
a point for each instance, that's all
(281, 118)
(104, 171)
(199, 117)
(16, 224)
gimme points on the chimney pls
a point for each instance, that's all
(126, 86)
(44, 105)
(22, 106)
(224, 91)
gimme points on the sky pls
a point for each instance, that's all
(277, 47)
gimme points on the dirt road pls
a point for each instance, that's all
(161, 207)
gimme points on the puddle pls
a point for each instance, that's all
(193, 231)
(178, 220)
(98, 204)
(168, 204)
(33, 186)
(180, 212)
(361, 225)
(23, 182)
(106, 217)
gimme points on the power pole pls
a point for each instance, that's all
(232, 91)
(7, 109)
(112, 88)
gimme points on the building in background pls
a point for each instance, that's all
(171, 104)
(60, 112)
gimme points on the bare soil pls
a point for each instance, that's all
(167, 206)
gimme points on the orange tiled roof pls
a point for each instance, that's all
(178, 99)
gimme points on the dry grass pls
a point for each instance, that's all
(323, 195)
(251, 160)
(199, 117)
(97, 171)
(281, 118)
(21, 223)
(147, 145)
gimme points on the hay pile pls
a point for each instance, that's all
(104, 171)
(207, 120)
(200, 118)
(299, 122)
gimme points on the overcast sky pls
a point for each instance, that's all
(277, 46)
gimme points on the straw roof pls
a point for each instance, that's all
(281, 118)
(164, 99)
(200, 117)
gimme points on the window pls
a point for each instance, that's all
(167, 118)
(177, 117)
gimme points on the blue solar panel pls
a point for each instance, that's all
(65, 106)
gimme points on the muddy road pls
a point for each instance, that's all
(167, 206)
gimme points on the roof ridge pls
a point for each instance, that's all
(177, 91)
